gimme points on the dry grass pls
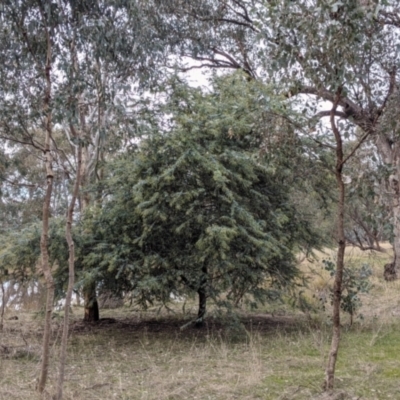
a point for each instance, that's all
(134, 360)
(382, 300)
(146, 355)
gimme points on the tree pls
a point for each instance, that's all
(28, 40)
(195, 209)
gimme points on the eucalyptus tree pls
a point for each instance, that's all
(26, 85)
(339, 53)
(70, 65)
(109, 55)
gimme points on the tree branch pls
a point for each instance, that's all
(328, 113)
(360, 142)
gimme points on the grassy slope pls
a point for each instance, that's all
(145, 356)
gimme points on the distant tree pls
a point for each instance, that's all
(368, 216)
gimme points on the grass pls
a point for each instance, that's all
(145, 355)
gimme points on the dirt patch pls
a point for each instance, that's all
(173, 325)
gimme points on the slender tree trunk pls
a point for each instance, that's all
(90, 303)
(390, 153)
(337, 287)
(71, 273)
(49, 279)
(45, 220)
(91, 306)
(396, 232)
(3, 304)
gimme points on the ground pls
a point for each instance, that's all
(275, 353)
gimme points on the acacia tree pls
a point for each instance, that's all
(194, 210)
(54, 62)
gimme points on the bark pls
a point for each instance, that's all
(202, 306)
(337, 288)
(202, 292)
(396, 233)
(3, 304)
(390, 153)
(91, 305)
(45, 220)
(71, 274)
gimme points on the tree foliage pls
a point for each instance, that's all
(198, 207)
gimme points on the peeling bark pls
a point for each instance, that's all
(3, 304)
(337, 287)
(71, 274)
(202, 306)
(390, 153)
(46, 217)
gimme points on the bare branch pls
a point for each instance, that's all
(20, 141)
(325, 94)
(390, 18)
(328, 113)
(392, 87)
(245, 16)
(14, 183)
(356, 147)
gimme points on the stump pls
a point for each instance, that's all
(390, 272)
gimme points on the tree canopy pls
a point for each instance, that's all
(199, 208)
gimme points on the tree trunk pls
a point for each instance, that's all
(337, 287)
(49, 282)
(46, 217)
(390, 153)
(3, 304)
(396, 231)
(71, 274)
(202, 292)
(202, 306)
(91, 305)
